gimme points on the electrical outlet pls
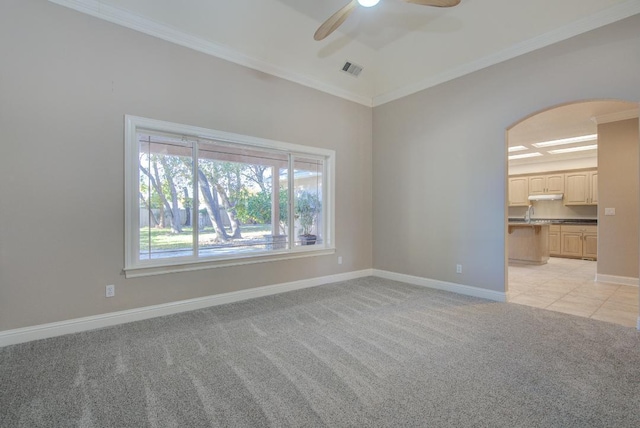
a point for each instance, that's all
(110, 290)
(458, 268)
(339, 260)
(609, 211)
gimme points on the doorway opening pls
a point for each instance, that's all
(572, 242)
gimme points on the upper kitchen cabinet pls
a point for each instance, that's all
(581, 188)
(518, 191)
(593, 185)
(546, 184)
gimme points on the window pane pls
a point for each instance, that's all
(307, 179)
(165, 175)
(240, 197)
(280, 238)
(204, 196)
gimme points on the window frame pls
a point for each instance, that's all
(134, 267)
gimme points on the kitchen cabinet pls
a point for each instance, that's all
(590, 245)
(528, 243)
(571, 243)
(579, 241)
(581, 188)
(554, 240)
(518, 191)
(546, 184)
(593, 186)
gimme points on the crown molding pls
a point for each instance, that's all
(153, 28)
(605, 17)
(615, 117)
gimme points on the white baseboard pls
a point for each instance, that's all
(43, 331)
(622, 280)
(467, 290)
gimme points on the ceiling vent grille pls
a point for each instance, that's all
(352, 69)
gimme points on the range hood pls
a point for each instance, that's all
(554, 197)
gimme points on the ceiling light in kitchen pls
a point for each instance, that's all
(517, 148)
(573, 149)
(571, 140)
(525, 155)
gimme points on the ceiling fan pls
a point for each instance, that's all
(335, 20)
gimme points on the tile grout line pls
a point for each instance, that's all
(563, 275)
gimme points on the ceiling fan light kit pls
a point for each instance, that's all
(335, 20)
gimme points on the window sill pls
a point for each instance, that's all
(182, 266)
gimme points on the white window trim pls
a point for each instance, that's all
(135, 268)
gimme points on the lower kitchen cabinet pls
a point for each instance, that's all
(554, 240)
(590, 245)
(571, 244)
(578, 241)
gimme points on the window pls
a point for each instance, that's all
(199, 198)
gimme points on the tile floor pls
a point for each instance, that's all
(567, 285)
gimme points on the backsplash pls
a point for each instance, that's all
(555, 209)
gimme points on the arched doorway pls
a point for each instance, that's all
(573, 173)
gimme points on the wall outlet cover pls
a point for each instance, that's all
(609, 211)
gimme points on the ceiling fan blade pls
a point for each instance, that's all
(436, 3)
(335, 20)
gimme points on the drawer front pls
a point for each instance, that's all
(577, 228)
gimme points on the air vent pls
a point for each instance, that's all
(352, 69)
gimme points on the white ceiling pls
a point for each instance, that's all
(403, 47)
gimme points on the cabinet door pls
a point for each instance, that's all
(554, 242)
(593, 188)
(590, 245)
(555, 183)
(576, 187)
(518, 191)
(537, 185)
(571, 244)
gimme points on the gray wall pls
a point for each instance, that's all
(618, 158)
(439, 156)
(66, 82)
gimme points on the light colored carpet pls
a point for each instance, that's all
(367, 352)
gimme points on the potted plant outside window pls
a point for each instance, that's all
(308, 207)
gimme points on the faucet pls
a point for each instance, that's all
(528, 214)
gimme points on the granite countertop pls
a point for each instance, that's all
(537, 221)
(525, 224)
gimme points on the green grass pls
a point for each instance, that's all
(163, 239)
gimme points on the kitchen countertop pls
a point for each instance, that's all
(539, 221)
